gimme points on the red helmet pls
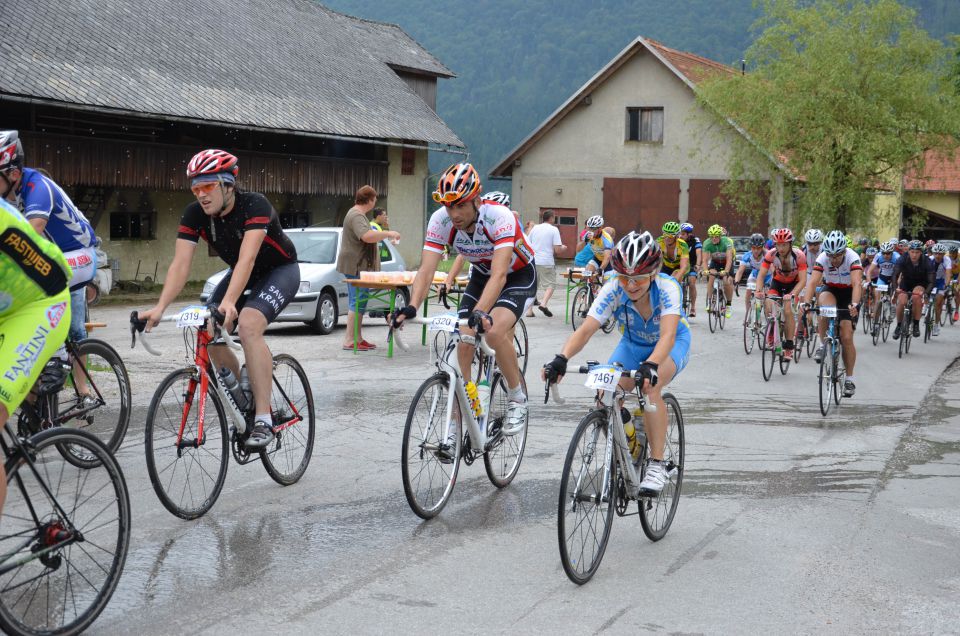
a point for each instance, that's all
(458, 183)
(783, 235)
(212, 165)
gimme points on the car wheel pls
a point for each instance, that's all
(403, 297)
(327, 315)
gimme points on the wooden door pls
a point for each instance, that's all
(643, 205)
(704, 211)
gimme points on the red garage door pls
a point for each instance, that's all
(640, 204)
(703, 211)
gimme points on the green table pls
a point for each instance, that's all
(572, 274)
(376, 291)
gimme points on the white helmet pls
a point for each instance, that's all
(835, 242)
(813, 235)
(939, 248)
(501, 198)
(595, 222)
(887, 247)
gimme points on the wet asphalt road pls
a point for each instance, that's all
(789, 522)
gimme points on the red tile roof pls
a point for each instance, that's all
(941, 174)
(693, 67)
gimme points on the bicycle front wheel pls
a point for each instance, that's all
(294, 420)
(712, 315)
(521, 343)
(505, 452)
(747, 337)
(64, 535)
(839, 374)
(587, 497)
(887, 320)
(656, 513)
(580, 307)
(826, 378)
(187, 469)
(430, 458)
(769, 351)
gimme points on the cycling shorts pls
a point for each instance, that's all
(269, 291)
(781, 288)
(631, 354)
(596, 264)
(28, 338)
(940, 284)
(517, 295)
(83, 265)
(844, 296)
(754, 274)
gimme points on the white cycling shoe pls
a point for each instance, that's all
(516, 418)
(655, 478)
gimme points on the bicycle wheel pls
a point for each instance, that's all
(769, 351)
(431, 456)
(927, 325)
(826, 378)
(839, 373)
(712, 315)
(904, 336)
(106, 411)
(812, 342)
(64, 535)
(579, 308)
(291, 403)
(504, 453)
(909, 338)
(521, 342)
(887, 320)
(948, 308)
(587, 498)
(656, 514)
(784, 363)
(748, 338)
(721, 310)
(187, 479)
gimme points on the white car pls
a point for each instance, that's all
(322, 296)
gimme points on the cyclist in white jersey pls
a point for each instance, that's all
(503, 280)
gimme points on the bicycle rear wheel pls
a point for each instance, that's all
(291, 402)
(587, 498)
(748, 338)
(430, 457)
(825, 379)
(769, 351)
(64, 535)
(656, 514)
(521, 342)
(839, 374)
(579, 308)
(187, 479)
(504, 452)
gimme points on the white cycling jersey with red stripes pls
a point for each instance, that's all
(497, 228)
(838, 276)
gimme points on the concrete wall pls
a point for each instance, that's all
(944, 204)
(406, 205)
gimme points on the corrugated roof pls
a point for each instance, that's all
(942, 174)
(283, 65)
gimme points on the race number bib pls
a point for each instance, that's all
(603, 378)
(882, 287)
(192, 317)
(752, 285)
(828, 312)
(446, 322)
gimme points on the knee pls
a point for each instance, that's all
(248, 328)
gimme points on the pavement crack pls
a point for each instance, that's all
(693, 551)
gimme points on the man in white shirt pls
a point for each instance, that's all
(545, 239)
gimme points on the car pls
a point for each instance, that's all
(322, 296)
(741, 245)
(950, 243)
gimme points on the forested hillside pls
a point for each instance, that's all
(516, 62)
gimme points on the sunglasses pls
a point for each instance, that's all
(447, 197)
(639, 278)
(204, 188)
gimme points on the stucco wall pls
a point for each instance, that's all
(945, 204)
(583, 194)
(405, 206)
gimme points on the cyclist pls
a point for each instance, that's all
(674, 250)
(840, 271)
(789, 267)
(928, 247)
(245, 231)
(503, 280)
(718, 255)
(943, 267)
(600, 243)
(954, 276)
(696, 250)
(902, 246)
(862, 244)
(812, 239)
(914, 273)
(881, 270)
(34, 310)
(656, 337)
(751, 260)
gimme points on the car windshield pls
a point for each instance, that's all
(741, 243)
(315, 247)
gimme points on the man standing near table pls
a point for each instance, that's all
(358, 252)
(545, 239)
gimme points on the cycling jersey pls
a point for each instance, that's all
(251, 211)
(31, 267)
(680, 250)
(41, 198)
(785, 270)
(810, 255)
(838, 276)
(866, 262)
(717, 252)
(752, 262)
(584, 256)
(910, 274)
(886, 264)
(599, 244)
(944, 266)
(496, 228)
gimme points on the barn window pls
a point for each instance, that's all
(645, 124)
(131, 225)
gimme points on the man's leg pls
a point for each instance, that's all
(78, 333)
(692, 290)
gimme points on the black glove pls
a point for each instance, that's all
(648, 371)
(407, 312)
(475, 321)
(556, 368)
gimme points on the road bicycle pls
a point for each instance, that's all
(445, 426)
(64, 531)
(187, 442)
(906, 324)
(771, 341)
(602, 476)
(948, 305)
(717, 305)
(884, 313)
(866, 316)
(521, 344)
(927, 315)
(753, 323)
(583, 298)
(832, 373)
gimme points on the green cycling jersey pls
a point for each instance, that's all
(31, 267)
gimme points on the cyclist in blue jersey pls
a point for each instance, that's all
(881, 271)
(656, 337)
(752, 260)
(696, 249)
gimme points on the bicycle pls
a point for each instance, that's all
(717, 306)
(64, 531)
(602, 476)
(832, 372)
(868, 307)
(906, 329)
(881, 326)
(583, 300)
(434, 439)
(186, 454)
(771, 343)
(948, 307)
(521, 344)
(751, 324)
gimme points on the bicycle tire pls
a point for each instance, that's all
(887, 320)
(656, 514)
(502, 458)
(286, 458)
(875, 332)
(784, 363)
(748, 338)
(712, 317)
(825, 380)
(416, 433)
(521, 343)
(904, 335)
(812, 342)
(722, 310)
(948, 307)
(48, 561)
(580, 307)
(581, 490)
(839, 373)
(768, 352)
(210, 455)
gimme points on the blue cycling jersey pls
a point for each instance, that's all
(584, 256)
(41, 198)
(886, 264)
(666, 298)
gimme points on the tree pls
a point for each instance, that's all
(844, 95)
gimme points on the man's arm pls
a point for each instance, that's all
(375, 236)
(421, 284)
(173, 283)
(731, 258)
(39, 223)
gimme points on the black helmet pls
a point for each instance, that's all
(757, 240)
(11, 150)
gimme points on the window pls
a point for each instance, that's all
(645, 124)
(408, 160)
(294, 219)
(131, 225)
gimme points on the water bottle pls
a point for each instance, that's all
(233, 388)
(473, 398)
(245, 384)
(483, 395)
(632, 443)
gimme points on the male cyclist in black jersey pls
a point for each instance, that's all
(245, 231)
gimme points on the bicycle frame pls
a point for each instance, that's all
(475, 426)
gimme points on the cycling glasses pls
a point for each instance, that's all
(639, 278)
(204, 188)
(446, 197)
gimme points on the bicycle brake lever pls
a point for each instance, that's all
(136, 325)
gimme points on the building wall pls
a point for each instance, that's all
(946, 204)
(406, 207)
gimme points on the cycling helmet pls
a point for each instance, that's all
(813, 235)
(213, 165)
(500, 198)
(871, 252)
(929, 243)
(887, 247)
(637, 254)
(863, 240)
(783, 235)
(686, 227)
(834, 243)
(939, 248)
(11, 150)
(904, 243)
(595, 222)
(915, 245)
(53, 377)
(457, 184)
(671, 228)
(954, 249)
(756, 239)
(715, 230)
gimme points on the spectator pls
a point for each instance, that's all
(358, 252)
(545, 239)
(528, 228)
(378, 219)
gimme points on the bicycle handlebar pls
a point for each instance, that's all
(462, 322)
(552, 387)
(139, 326)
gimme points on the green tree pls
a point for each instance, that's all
(846, 94)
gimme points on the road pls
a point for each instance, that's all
(789, 522)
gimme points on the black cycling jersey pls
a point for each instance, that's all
(251, 211)
(920, 275)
